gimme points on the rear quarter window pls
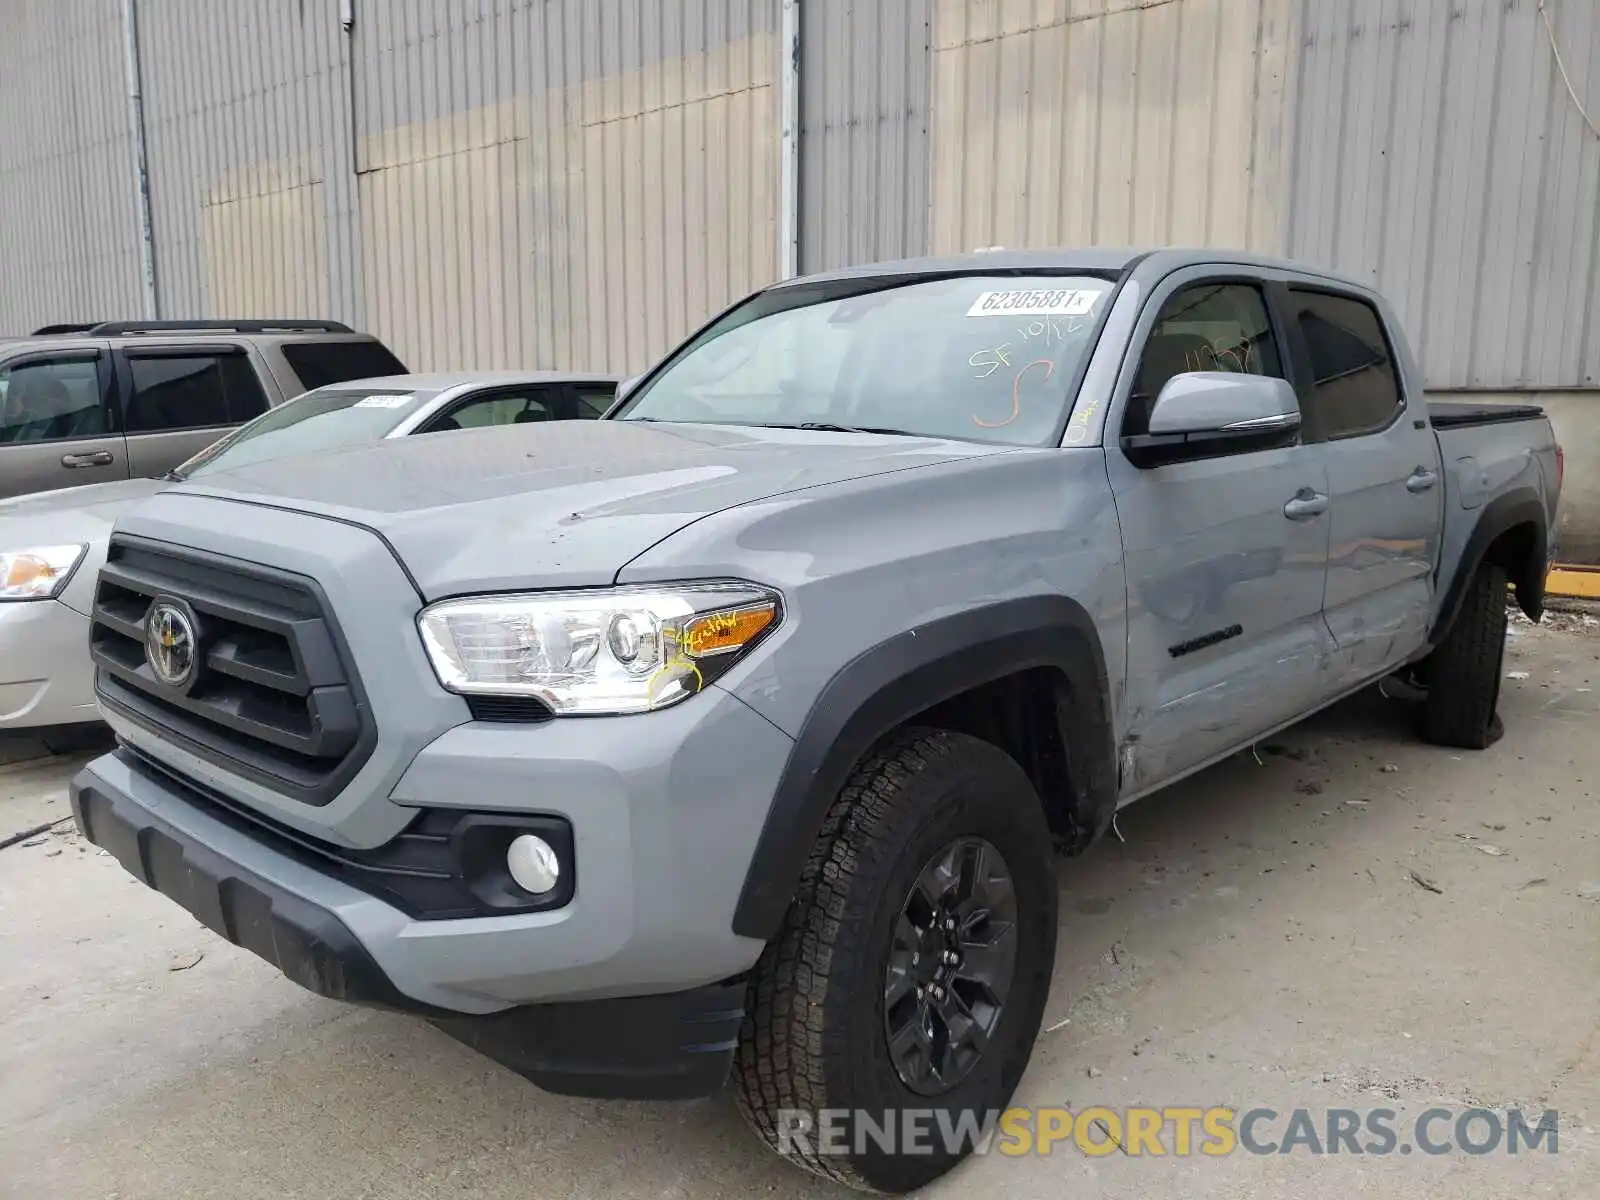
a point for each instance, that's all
(318, 364)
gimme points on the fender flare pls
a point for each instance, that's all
(1521, 506)
(887, 685)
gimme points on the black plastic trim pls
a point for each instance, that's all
(309, 753)
(519, 710)
(886, 686)
(446, 864)
(304, 941)
(673, 1046)
(1148, 450)
(282, 325)
(67, 327)
(1519, 507)
(1452, 414)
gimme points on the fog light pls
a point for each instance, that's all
(533, 864)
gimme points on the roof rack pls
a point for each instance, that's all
(83, 327)
(284, 325)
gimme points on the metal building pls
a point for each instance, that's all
(580, 182)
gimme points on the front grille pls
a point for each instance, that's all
(272, 697)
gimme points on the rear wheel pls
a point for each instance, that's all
(1464, 670)
(911, 973)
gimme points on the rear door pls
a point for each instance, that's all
(177, 400)
(1386, 490)
(1225, 555)
(58, 425)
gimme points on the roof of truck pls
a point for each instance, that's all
(1096, 259)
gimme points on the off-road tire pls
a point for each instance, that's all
(1464, 670)
(813, 1032)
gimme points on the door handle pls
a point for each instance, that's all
(1421, 480)
(94, 458)
(1305, 505)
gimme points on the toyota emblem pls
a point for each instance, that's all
(171, 644)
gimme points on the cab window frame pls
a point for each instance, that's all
(1274, 298)
(1313, 426)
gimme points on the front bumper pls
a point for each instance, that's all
(45, 674)
(671, 1045)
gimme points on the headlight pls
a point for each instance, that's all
(37, 574)
(608, 651)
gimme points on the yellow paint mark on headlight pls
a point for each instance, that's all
(720, 632)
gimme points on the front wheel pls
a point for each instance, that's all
(890, 1020)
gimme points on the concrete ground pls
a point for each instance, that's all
(1262, 938)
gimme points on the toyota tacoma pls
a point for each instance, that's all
(731, 736)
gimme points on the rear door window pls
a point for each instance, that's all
(1355, 388)
(51, 399)
(318, 364)
(191, 390)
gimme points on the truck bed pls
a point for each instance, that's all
(1449, 414)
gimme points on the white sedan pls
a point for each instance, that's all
(52, 544)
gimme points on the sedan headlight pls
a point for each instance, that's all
(38, 573)
(602, 652)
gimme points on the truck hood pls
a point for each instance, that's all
(73, 515)
(564, 504)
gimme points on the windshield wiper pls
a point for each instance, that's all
(819, 426)
(832, 427)
(172, 477)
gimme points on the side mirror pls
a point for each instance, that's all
(1202, 414)
(627, 385)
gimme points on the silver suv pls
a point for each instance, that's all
(129, 399)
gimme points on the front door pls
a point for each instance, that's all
(1225, 556)
(1385, 483)
(57, 426)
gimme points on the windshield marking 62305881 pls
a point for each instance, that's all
(933, 357)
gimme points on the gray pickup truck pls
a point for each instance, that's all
(734, 733)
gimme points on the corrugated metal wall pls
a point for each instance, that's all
(247, 139)
(68, 236)
(863, 131)
(1439, 155)
(1428, 146)
(563, 183)
(579, 182)
(1109, 122)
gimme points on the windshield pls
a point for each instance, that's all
(982, 358)
(322, 420)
